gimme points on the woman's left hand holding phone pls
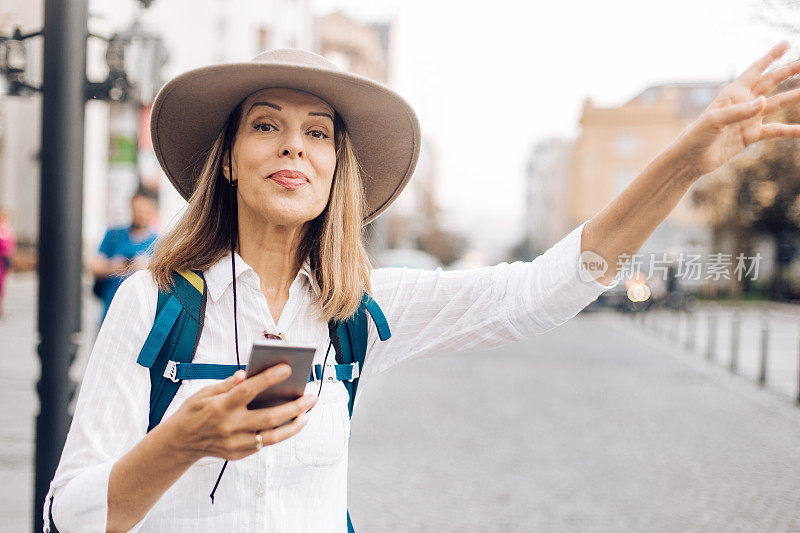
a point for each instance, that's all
(215, 421)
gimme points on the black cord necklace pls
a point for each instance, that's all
(232, 195)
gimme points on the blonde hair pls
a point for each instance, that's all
(332, 243)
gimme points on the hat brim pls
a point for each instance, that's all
(191, 109)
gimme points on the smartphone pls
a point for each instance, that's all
(266, 354)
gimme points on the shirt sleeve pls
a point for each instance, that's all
(435, 311)
(112, 411)
(107, 245)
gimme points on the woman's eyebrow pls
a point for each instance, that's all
(279, 108)
(268, 104)
(320, 114)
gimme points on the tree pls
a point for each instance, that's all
(760, 196)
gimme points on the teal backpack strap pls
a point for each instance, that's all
(349, 338)
(173, 338)
(377, 317)
(352, 348)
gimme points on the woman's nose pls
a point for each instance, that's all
(291, 147)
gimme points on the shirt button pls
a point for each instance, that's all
(260, 491)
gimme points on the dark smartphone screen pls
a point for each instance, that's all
(266, 354)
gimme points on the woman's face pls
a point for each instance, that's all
(284, 156)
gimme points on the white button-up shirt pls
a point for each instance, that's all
(299, 484)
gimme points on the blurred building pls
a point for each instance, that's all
(195, 33)
(354, 46)
(617, 143)
(415, 212)
(364, 49)
(118, 152)
(20, 133)
(546, 185)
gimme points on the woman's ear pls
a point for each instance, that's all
(226, 171)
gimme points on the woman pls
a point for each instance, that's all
(294, 140)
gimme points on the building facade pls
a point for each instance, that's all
(546, 179)
(617, 143)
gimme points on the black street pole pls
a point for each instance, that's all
(63, 104)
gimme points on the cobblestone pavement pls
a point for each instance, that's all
(595, 426)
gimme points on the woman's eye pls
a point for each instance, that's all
(263, 126)
(318, 134)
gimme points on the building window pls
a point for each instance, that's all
(627, 144)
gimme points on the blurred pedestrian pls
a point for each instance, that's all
(124, 249)
(7, 247)
(282, 161)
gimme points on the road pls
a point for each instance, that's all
(595, 426)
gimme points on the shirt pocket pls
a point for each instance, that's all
(323, 440)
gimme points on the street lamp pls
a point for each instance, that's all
(134, 58)
(14, 64)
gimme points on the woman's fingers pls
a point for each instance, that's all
(772, 79)
(779, 131)
(274, 436)
(779, 101)
(724, 116)
(271, 417)
(223, 386)
(244, 443)
(246, 391)
(752, 75)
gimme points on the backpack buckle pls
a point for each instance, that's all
(330, 372)
(355, 371)
(171, 371)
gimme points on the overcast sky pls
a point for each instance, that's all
(489, 82)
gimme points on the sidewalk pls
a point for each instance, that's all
(783, 346)
(18, 398)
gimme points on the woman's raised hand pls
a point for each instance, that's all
(216, 422)
(734, 120)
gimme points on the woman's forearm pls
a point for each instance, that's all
(623, 226)
(140, 477)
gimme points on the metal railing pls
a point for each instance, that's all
(761, 340)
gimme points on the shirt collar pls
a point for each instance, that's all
(218, 275)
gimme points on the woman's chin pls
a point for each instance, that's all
(288, 218)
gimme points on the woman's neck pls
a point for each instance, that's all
(272, 252)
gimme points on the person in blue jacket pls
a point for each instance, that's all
(124, 249)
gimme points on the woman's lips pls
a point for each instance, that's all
(289, 179)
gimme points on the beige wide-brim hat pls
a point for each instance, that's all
(190, 111)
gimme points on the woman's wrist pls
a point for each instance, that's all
(678, 159)
(173, 440)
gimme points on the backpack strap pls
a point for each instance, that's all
(176, 331)
(350, 340)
